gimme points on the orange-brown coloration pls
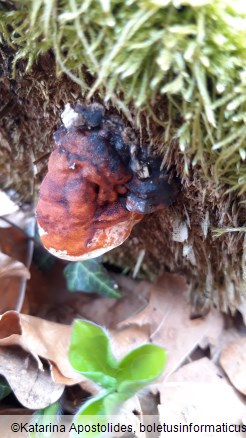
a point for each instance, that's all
(100, 183)
(80, 212)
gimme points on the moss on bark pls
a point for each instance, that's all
(176, 82)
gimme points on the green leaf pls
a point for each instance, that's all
(5, 390)
(46, 416)
(94, 406)
(91, 355)
(114, 401)
(90, 276)
(139, 368)
(91, 414)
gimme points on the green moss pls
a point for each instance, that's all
(191, 51)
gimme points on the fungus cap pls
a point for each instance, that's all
(98, 185)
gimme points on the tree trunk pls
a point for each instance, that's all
(179, 238)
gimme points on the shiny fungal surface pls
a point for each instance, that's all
(98, 185)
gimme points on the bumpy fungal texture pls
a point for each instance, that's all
(92, 195)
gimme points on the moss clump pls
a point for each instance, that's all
(192, 52)
(177, 70)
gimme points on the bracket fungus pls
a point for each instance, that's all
(99, 184)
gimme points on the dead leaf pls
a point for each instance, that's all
(226, 336)
(41, 338)
(12, 268)
(198, 371)
(160, 303)
(167, 318)
(34, 388)
(202, 370)
(7, 206)
(15, 245)
(190, 403)
(128, 338)
(233, 362)
(108, 312)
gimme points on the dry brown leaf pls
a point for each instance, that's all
(34, 388)
(12, 268)
(7, 206)
(14, 244)
(41, 338)
(126, 339)
(200, 404)
(226, 336)
(162, 295)
(58, 377)
(167, 318)
(180, 335)
(233, 362)
(202, 370)
(108, 312)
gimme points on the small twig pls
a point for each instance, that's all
(138, 263)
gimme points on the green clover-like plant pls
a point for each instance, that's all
(90, 354)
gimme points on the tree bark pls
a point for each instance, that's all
(179, 238)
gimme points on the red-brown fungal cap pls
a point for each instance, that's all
(98, 186)
(79, 213)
